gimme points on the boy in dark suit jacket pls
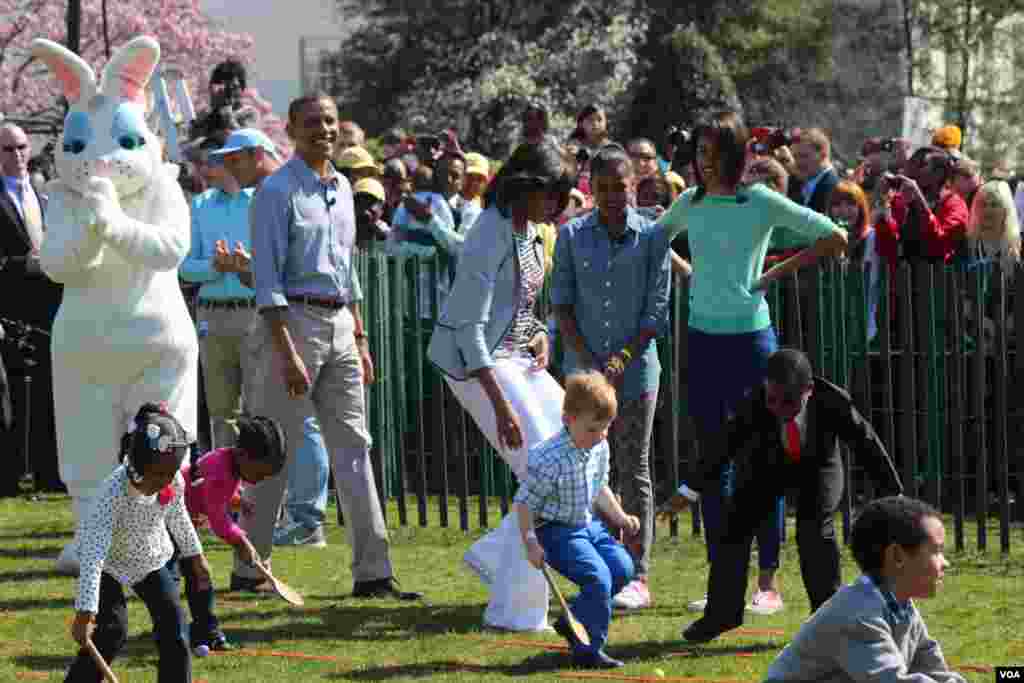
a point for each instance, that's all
(785, 436)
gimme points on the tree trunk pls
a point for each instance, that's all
(908, 36)
(74, 19)
(965, 68)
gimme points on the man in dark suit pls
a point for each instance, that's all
(785, 436)
(30, 298)
(812, 183)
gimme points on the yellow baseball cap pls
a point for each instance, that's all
(948, 137)
(370, 186)
(478, 164)
(356, 157)
(676, 181)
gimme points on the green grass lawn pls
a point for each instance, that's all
(441, 639)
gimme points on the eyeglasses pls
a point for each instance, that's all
(12, 148)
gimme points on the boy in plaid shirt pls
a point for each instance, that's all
(566, 479)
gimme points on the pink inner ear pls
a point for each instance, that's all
(134, 75)
(68, 78)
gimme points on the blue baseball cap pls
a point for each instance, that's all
(244, 138)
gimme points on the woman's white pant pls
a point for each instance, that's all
(519, 593)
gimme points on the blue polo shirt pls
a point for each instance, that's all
(217, 215)
(616, 289)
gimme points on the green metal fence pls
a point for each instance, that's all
(934, 382)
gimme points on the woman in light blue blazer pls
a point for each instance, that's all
(494, 352)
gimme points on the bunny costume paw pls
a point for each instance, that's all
(117, 229)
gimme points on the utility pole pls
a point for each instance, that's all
(74, 18)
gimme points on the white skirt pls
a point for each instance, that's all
(519, 593)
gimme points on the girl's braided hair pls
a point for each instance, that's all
(154, 434)
(263, 439)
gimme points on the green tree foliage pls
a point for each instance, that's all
(692, 80)
(476, 64)
(966, 58)
(565, 68)
(405, 56)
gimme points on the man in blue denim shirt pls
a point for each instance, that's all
(610, 292)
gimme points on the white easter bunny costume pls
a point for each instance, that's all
(117, 229)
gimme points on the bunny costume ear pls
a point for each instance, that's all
(130, 68)
(76, 77)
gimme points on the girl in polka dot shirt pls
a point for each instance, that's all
(125, 541)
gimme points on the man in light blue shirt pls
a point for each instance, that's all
(610, 292)
(311, 342)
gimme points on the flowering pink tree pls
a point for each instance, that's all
(188, 39)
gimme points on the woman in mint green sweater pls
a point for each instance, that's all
(730, 336)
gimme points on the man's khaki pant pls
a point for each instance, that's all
(324, 339)
(220, 352)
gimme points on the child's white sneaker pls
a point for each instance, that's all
(634, 595)
(765, 603)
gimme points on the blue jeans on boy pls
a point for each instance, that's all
(308, 473)
(159, 592)
(597, 563)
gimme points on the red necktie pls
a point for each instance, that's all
(793, 441)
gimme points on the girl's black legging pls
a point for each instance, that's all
(159, 592)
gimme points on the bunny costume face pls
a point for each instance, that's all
(105, 132)
(125, 151)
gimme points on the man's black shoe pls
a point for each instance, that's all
(704, 630)
(248, 585)
(383, 588)
(563, 629)
(595, 660)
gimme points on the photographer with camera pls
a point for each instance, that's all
(775, 144)
(921, 218)
(873, 160)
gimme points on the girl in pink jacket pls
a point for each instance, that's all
(211, 484)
